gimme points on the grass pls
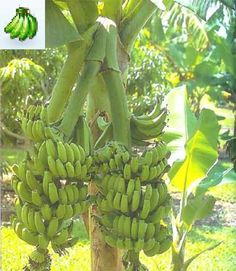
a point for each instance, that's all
(12, 155)
(15, 252)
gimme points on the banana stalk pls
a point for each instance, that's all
(85, 83)
(116, 91)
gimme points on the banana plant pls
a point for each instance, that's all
(84, 156)
(78, 148)
(192, 172)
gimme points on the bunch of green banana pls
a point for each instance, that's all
(150, 126)
(149, 167)
(131, 233)
(133, 199)
(51, 190)
(35, 125)
(64, 160)
(23, 25)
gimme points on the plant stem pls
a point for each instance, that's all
(66, 80)
(78, 97)
(119, 107)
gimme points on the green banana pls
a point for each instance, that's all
(17, 28)
(130, 189)
(61, 169)
(154, 200)
(149, 244)
(61, 150)
(29, 237)
(121, 187)
(165, 245)
(125, 157)
(36, 199)
(121, 225)
(33, 26)
(127, 226)
(145, 210)
(148, 156)
(161, 234)
(23, 192)
(69, 153)
(107, 220)
(52, 166)
(70, 194)
(135, 201)
(82, 154)
(70, 170)
(142, 227)
(69, 211)
(150, 231)
(120, 243)
(112, 165)
(162, 189)
(77, 194)
(46, 212)
(138, 245)
(32, 182)
(153, 251)
(62, 196)
(78, 169)
(25, 214)
(51, 149)
(52, 227)
(18, 208)
(117, 201)
(53, 193)
(124, 207)
(157, 215)
(61, 237)
(145, 173)
(127, 172)
(38, 220)
(134, 229)
(47, 178)
(134, 164)
(12, 24)
(60, 211)
(76, 151)
(43, 241)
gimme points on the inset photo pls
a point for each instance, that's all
(22, 25)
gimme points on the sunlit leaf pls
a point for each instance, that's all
(181, 121)
(201, 152)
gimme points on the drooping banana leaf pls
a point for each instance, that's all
(59, 30)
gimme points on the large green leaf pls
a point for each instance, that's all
(197, 208)
(181, 121)
(201, 7)
(201, 152)
(59, 30)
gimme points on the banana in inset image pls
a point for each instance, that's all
(23, 25)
